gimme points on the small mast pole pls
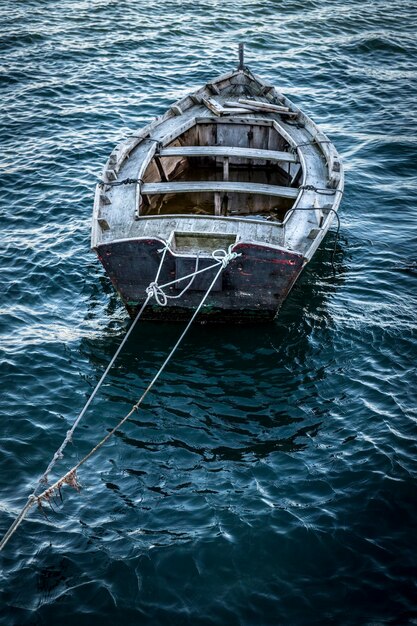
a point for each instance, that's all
(241, 57)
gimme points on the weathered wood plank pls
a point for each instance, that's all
(228, 151)
(267, 106)
(217, 204)
(255, 106)
(215, 185)
(226, 168)
(213, 106)
(254, 121)
(216, 108)
(237, 105)
(237, 111)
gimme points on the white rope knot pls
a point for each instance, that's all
(158, 293)
(223, 257)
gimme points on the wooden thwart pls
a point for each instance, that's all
(228, 151)
(216, 186)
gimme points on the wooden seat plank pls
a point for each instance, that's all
(218, 186)
(228, 151)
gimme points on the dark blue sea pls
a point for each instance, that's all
(270, 477)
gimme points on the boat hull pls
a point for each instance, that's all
(233, 165)
(251, 288)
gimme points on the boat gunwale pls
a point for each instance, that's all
(164, 243)
(251, 118)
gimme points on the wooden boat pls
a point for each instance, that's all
(234, 166)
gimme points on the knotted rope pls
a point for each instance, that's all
(222, 257)
(70, 477)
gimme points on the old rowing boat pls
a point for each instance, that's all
(234, 166)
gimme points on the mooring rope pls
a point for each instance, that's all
(331, 210)
(309, 143)
(59, 453)
(70, 477)
(324, 191)
(158, 290)
(118, 183)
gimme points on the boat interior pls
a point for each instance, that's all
(223, 167)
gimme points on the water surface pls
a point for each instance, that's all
(271, 476)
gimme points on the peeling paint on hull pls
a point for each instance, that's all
(252, 287)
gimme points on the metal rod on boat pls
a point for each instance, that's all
(241, 56)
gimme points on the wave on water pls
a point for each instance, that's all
(270, 476)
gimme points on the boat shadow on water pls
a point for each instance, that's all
(243, 389)
(236, 412)
(221, 443)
